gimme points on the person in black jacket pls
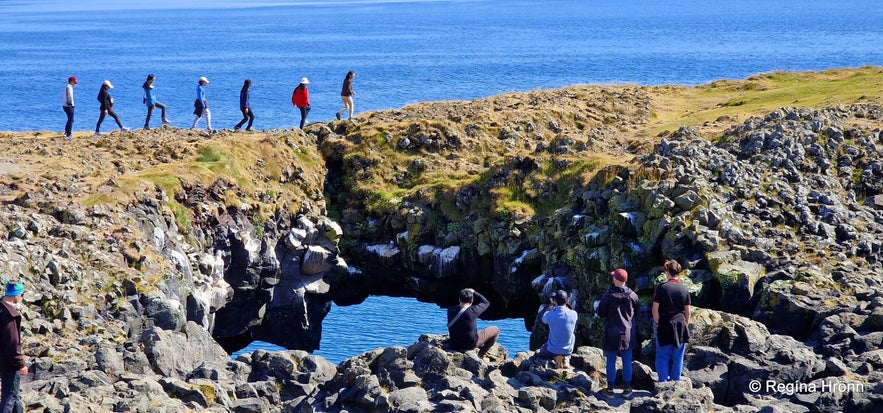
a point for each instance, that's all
(671, 313)
(618, 306)
(106, 108)
(245, 106)
(464, 334)
(12, 361)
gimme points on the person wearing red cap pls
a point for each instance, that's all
(12, 361)
(671, 314)
(67, 103)
(618, 306)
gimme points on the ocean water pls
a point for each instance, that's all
(392, 321)
(403, 52)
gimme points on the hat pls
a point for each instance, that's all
(72, 79)
(560, 296)
(14, 289)
(620, 275)
(108, 84)
(304, 81)
(204, 79)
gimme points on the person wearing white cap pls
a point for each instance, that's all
(200, 106)
(106, 101)
(300, 98)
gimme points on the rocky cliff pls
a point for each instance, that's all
(145, 255)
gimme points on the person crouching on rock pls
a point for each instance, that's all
(464, 334)
(671, 314)
(562, 323)
(618, 306)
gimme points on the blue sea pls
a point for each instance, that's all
(403, 52)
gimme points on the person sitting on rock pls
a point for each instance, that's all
(618, 306)
(561, 320)
(464, 334)
(671, 315)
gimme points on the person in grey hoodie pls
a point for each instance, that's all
(618, 306)
(67, 103)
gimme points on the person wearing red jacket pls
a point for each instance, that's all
(300, 98)
(12, 361)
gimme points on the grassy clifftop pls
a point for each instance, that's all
(552, 140)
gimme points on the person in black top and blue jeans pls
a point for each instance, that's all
(464, 334)
(245, 106)
(671, 314)
(618, 306)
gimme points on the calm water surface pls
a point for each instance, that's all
(402, 51)
(392, 321)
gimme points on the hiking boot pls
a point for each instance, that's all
(626, 392)
(166, 122)
(337, 115)
(97, 133)
(125, 129)
(236, 129)
(249, 129)
(608, 392)
(146, 127)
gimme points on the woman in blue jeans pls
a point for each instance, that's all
(671, 314)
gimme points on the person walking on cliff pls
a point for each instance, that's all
(618, 306)
(67, 103)
(200, 106)
(300, 98)
(346, 94)
(151, 102)
(671, 316)
(463, 332)
(245, 106)
(106, 101)
(561, 320)
(12, 360)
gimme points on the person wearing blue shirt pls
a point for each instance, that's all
(200, 106)
(245, 106)
(561, 320)
(151, 102)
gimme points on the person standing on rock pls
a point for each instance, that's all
(245, 106)
(346, 95)
(106, 101)
(151, 102)
(200, 106)
(300, 98)
(67, 103)
(618, 306)
(464, 334)
(671, 315)
(561, 320)
(12, 361)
